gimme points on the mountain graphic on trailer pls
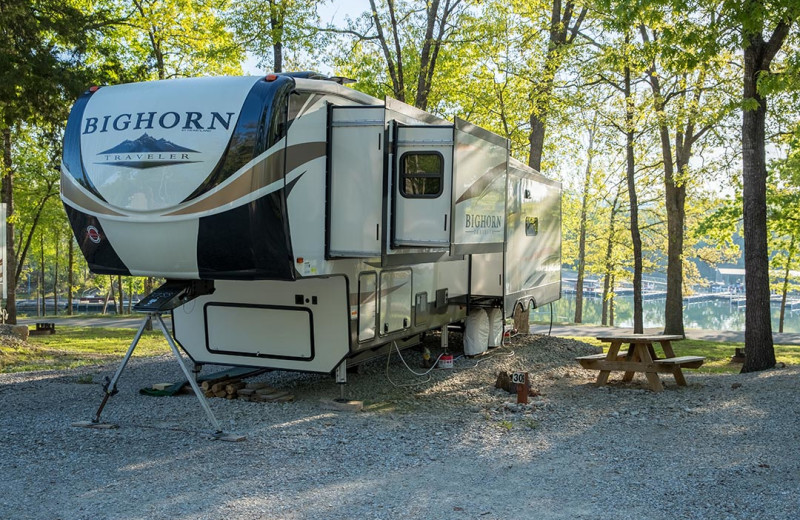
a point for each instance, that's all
(147, 152)
(146, 144)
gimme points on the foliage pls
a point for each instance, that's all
(399, 48)
(162, 39)
(269, 28)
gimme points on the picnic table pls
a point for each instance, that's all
(640, 357)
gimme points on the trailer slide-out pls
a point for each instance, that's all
(308, 223)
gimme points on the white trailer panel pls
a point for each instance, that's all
(479, 190)
(355, 181)
(290, 330)
(533, 250)
(304, 326)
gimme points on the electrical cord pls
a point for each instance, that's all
(426, 373)
(433, 366)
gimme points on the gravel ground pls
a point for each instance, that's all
(452, 446)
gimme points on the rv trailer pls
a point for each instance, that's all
(300, 224)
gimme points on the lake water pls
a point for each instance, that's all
(711, 314)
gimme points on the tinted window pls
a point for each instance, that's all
(421, 174)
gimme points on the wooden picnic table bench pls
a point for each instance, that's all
(640, 357)
(43, 328)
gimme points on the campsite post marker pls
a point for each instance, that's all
(523, 383)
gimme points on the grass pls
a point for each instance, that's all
(76, 346)
(80, 346)
(718, 354)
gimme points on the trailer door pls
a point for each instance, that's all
(422, 181)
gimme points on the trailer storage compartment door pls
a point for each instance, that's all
(479, 190)
(395, 301)
(300, 325)
(355, 181)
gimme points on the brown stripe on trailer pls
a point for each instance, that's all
(258, 176)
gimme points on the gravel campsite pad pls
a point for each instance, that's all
(450, 446)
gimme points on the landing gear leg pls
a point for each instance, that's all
(110, 386)
(343, 403)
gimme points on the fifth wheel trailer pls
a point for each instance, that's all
(300, 223)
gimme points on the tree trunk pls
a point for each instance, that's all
(395, 70)
(425, 66)
(8, 199)
(609, 266)
(606, 290)
(630, 170)
(277, 53)
(55, 278)
(536, 140)
(582, 233)
(109, 294)
(148, 288)
(785, 288)
(759, 349)
(675, 195)
(561, 35)
(70, 275)
(130, 295)
(611, 305)
(120, 306)
(276, 25)
(41, 275)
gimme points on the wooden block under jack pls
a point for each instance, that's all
(94, 425)
(343, 405)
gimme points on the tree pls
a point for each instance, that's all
(41, 55)
(582, 230)
(36, 194)
(759, 54)
(163, 39)
(609, 263)
(265, 28)
(680, 73)
(630, 175)
(563, 30)
(409, 38)
(783, 202)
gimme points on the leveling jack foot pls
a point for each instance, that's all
(227, 437)
(95, 425)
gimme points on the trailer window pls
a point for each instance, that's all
(421, 174)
